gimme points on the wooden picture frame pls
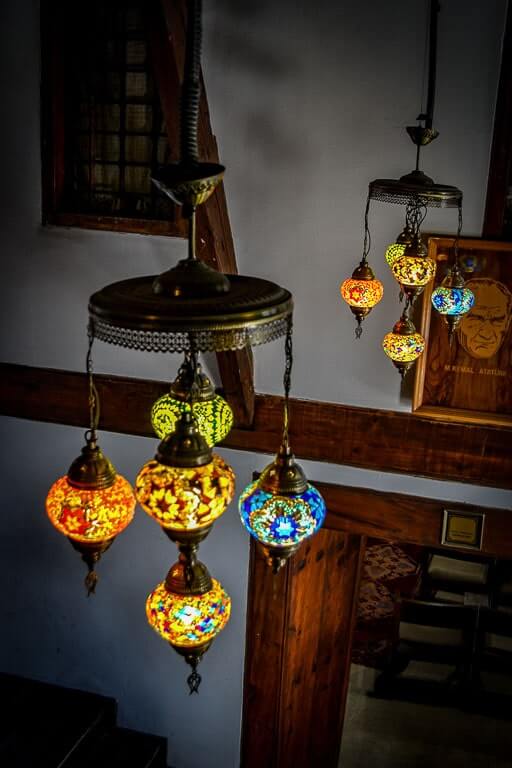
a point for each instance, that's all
(469, 381)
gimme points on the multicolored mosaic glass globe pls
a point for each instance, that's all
(281, 520)
(362, 292)
(185, 499)
(189, 609)
(90, 516)
(214, 417)
(188, 621)
(403, 345)
(452, 299)
(281, 509)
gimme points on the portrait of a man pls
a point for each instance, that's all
(482, 331)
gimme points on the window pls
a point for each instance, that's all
(104, 132)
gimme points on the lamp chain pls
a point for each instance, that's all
(367, 237)
(457, 238)
(94, 401)
(287, 378)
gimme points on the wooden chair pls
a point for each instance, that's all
(433, 633)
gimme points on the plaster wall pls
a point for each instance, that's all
(308, 102)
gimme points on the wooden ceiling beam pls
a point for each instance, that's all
(338, 434)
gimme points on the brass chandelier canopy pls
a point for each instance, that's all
(190, 307)
(416, 185)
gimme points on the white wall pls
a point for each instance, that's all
(308, 102)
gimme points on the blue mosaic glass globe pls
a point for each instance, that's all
(281, 520)
(452, 300)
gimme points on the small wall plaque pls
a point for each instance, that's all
(463, 529)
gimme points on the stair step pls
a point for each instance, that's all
(44, 724)
(120, 748)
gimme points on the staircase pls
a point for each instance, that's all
(46, 726)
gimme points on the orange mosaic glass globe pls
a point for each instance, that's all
(185, 498)
(362, 293)
(188, 621)
(90, 516)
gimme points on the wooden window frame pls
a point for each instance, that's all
(53, 136)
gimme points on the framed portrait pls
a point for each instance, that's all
(471, 379)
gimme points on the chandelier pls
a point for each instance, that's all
(190, 309)
(407, 257)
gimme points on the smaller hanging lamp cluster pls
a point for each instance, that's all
(407, 257)
(91, 504)
(281, 509)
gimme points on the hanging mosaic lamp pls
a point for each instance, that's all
(414, 269)
(213, 414)
(186, 487)
(188, 610)
(404, 344)
(281, 509)
(452, 299)
(362, 292)
(91, 505)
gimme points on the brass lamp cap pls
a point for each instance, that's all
(404, 326)
(91, 470)
(454, 278)
(188, 576)
(363, 272)
(284, 475)
(405, 236)
(182, 384)
(186, 447)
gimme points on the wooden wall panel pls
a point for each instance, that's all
(299, 638)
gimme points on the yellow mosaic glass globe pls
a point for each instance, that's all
(185, 499)
(415, 271)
